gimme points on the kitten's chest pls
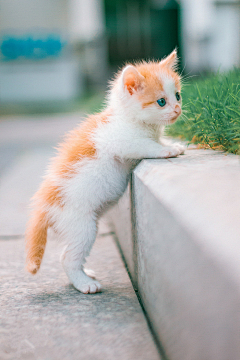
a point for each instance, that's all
(117, 175)
(105, 178)
(126, 166)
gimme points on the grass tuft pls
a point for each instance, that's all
(211, 112)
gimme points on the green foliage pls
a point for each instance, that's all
(211, 112)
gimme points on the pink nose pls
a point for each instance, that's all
(177, 109)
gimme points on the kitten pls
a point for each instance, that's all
(93, 164)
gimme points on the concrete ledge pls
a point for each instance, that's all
(178, 226)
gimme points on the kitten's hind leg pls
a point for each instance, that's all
(79, 242)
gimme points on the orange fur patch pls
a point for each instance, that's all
(147, 104)
(78, 144)
(48, 194)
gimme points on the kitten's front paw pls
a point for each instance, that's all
(181, 148)
(172, 151)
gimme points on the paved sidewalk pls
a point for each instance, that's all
(43, 317)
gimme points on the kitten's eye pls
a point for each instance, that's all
(161, 102)
(178, 96)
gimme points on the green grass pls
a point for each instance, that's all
(211, 112)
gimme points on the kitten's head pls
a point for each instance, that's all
(150, 92)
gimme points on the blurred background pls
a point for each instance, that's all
(55, 53)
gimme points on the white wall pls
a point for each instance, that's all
(86, 19)
(49, 79)
(23, 15)
(60, 78)
(44, 82)
(210, 34)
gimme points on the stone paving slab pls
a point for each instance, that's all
(18, 184)
(43, 317)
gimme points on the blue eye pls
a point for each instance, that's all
(178, 96)
(161, 102)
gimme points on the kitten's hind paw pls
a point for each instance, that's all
(85, 284)
(91, 288)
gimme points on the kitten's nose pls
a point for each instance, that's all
(177, 109)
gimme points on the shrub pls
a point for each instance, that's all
(211, 112)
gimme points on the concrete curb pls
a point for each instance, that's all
(178, 226)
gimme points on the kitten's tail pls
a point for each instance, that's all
(36, 239)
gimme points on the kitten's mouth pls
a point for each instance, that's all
(173, 120)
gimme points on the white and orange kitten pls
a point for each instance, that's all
(93, 164)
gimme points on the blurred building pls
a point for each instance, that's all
(210, 34)
(49, 47)
(141, 29)
(206, 32)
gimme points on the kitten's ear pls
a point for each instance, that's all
(170, 61)
(132, 79)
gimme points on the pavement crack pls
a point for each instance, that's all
(106, 234)
(11, 237)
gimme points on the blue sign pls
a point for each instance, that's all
(31, 48)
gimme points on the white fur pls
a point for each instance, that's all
(130, 134)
